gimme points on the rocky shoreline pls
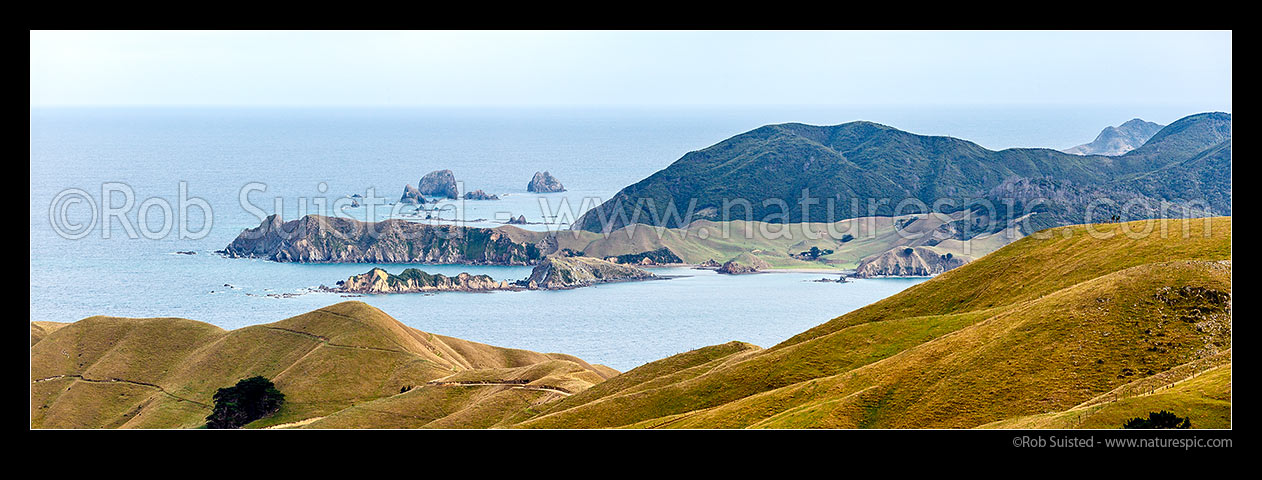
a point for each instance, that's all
(378, 281)
(552, 273)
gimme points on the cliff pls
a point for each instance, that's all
(378, 281)
(319, 239)
(559, 273)
(908, 262)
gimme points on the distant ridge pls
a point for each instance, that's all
(862, 161)
(1118, 140)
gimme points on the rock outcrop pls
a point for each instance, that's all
(1118, 140)
(319, 239)
(544, 182)
(559, 273)
(480, 195)
(520, 220)
(743, 263)
(907, 262)
(411, 196)
(439, 183)
(378, 281)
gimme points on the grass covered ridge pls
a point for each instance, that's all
(104, 372)
(1040, 326)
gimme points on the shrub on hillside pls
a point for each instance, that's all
(1162, 419)
(249, 400)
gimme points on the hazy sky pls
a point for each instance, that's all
(630, 68)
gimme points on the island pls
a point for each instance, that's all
(378, 281)
(438, 183)
(743, 263)
(909, 262)
(562, 273)
(544, 182)
(552, 273)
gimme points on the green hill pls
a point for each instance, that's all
(104, 372)
(1042, 325)
(771, 166)
(851, 240)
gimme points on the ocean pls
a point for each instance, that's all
(87, 161)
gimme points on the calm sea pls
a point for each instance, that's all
(296, 156)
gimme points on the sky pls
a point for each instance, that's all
(629, 68)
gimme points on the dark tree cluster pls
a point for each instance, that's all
(1162, 419)
(249, 400)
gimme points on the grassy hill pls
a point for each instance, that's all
(1083, 326)
(850, 240)
(1040, 326)
(104, 372)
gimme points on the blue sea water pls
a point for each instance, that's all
(297, 155)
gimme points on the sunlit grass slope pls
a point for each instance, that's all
(850, 240)
(162, 372)
(1040, 326)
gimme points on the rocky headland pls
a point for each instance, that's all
(560, 273)
(908, 262)
(743, 263)
(661, 256)
(320, 239)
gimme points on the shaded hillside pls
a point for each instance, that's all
(770, 167)
(106, 372)
(1042, 325)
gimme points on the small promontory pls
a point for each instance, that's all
(556, 272)
(743, 263)
(320, 239)
(908, 262)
